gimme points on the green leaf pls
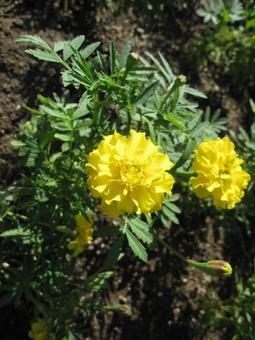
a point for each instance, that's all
(114, 254)
(147, 93)
(87, 51)
(141, 230)
(172, 119)
(186, 154)
(64, 138)
(46, 56)
(124, 54)
(72, 45)
(98, 281)
(166, 65)
(161, 68)
(194, 92)
(174, 208)
(83, 109)
(168, 213)
(18, 232)
(136, 246)
(17, 143)
(33, 39)
(58, 46)
(52, 112)
(112, 57)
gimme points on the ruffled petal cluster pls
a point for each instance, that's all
(219, 173)
(84, 231)
(129, 174)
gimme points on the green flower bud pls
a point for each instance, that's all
(213, 267)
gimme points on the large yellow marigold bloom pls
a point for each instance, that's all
(219, 173)
(40, 331)
(84, 231)
(129, 174)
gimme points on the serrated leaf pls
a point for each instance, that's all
(58, 46)
(41, 55)
(87, 51)
(33, 39)
(72, 45)
(194, 92)
(97, 282)
(174, 198)
(63, 137)
(52, 112)
(83, 109)
(147, 93)
(172, 119)
(174, 208)
(136, 246)
(168, 213)
(141, 230)
(160, 67)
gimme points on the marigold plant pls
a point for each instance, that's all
(129, 174)
(219, 173)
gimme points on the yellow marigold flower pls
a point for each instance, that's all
(219, 173)
(129, 174)
(40, 331)
(84, 230)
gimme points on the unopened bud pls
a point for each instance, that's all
(181, 79)
(135, 55)
(213, 267)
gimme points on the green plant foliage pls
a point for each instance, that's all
(228, 41)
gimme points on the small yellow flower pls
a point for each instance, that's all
(129, 174)
(40, 331)
(219, 173)
(84, 230)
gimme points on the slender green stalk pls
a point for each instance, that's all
(212, 267)
(172, 250)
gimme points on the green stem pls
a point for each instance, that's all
(125, 225)
(185, 174)
(173, 251)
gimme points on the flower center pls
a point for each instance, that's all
(225, 170)
(131, 174)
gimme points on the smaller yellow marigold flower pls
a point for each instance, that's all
(219, 173)
(84, 231)
(129, 174)
(40, 331)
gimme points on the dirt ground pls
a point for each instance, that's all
(162, 295)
